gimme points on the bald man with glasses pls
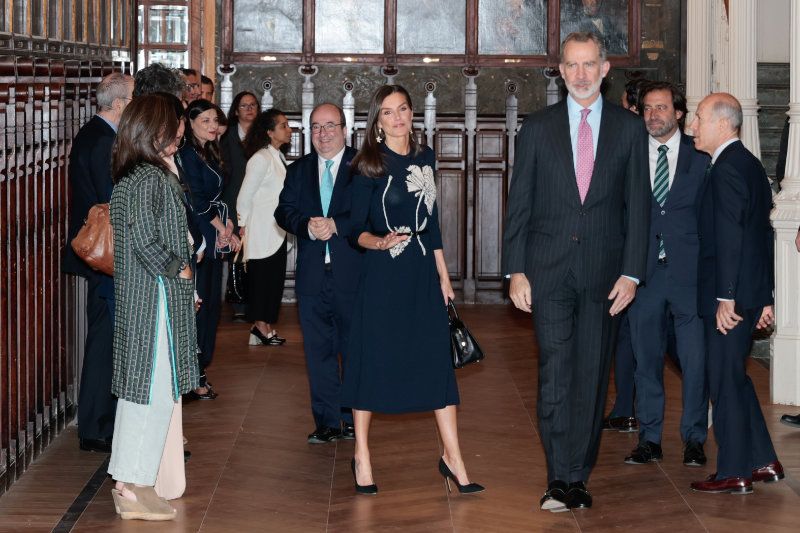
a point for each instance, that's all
(315, 206)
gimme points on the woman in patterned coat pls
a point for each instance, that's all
(154, 329)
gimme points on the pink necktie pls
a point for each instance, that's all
(583, 172)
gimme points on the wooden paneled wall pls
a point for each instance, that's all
(43, 103)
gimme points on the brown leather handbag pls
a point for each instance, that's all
(94, 243)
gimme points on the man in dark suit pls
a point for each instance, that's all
(677, 175)
(735, 284)
(90, 184)
(575, 246)
(315, 206)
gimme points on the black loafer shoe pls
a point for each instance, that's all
(623, 424)
(644, 453)
(323, 434)
(95, 445)
(578, 497)
(693, 454)
(555, 496)
(791, 420)
(348, 431)
(208, 395)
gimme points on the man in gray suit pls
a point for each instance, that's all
(575, 246)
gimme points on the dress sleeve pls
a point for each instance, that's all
(363, 188)
(433, 224)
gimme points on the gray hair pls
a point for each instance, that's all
(156, 78)
(584, 37)
(113, 86)
(728, 108)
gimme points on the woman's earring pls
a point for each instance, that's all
(379, 136)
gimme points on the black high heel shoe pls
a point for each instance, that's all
(257, 338)
(362, 489)
(472, 488)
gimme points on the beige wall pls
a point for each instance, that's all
(773, 31)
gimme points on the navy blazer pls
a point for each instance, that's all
(90, 183)
(299, 201)
(676, 221)
(205, 185)
(736, 238)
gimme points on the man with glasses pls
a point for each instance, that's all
(315, 206)
(90, 184)
(192, 91)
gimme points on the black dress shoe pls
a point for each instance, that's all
(322, 435)
(693, 454)
(95, 445)
(259, 339)
(348, 431)
(791, 420)
(623, 424)
(186, 456)
(555, 496)
(644, 453)
(239, 318)
(208, 395)
(578, 497)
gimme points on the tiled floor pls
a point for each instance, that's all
(251, 469)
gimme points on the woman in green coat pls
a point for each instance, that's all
(154, 329)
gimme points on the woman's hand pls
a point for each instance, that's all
(228, 228)
(186, 273)
(236, 243)
(447, 290)
(388, 241)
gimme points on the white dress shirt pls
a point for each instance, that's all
(722, 146)
(673, 146)
(257, 200)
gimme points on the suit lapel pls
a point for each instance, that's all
(605, 140)
(312, 171)
(564, 149)
(682, 166)
(341, 178)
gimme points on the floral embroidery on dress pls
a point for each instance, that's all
(421, 184)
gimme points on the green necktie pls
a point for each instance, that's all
(661, 187)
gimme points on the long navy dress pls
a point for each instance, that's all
(399, 355)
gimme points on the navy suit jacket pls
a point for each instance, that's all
(736, 238)
(676, 221)
(548, 230)
(89, 182)
(205, 186)
(299, 201)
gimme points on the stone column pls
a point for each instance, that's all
(349, 109)
(742, 18)
(226, 87)
(698, 54)
(785, 366)
(267, 101)
(470, 128)
(307, 72)
(430, 112)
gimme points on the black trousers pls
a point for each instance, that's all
(209, 287)
(325, 319)
(265, 281)
(576, 339)
(97, 407)
(741, 433)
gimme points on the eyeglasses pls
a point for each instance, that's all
(329, 127)
(192, 86)
(248, 106)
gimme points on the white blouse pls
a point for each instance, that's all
(257, 201)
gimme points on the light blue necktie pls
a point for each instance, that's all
(325, 193)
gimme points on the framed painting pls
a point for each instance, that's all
(512, 27)
(431, 27)
(268, 25)
(607, 18)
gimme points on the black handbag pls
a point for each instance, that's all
(463, 345)
(237, 280)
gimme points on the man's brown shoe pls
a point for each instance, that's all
(731, 485)
(769, 473)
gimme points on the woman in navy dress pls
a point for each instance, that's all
(399, 356)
